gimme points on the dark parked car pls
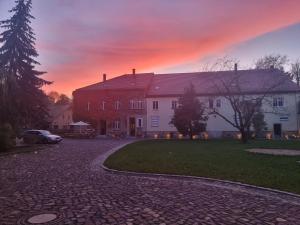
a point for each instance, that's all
(40, 137)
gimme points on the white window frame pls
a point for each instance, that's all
(117, 105)
(103, 105)
(155, 105)
(139, 122)
(117, 125)
(218, 103)
(136, 104)
(278, 101)
(155, 121)
(174, 104)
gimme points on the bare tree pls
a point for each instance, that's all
(277, 61)
(223, 63)
(295, 71)
(243, 104)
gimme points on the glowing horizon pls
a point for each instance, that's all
(80, 40)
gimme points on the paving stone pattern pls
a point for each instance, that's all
(61, 180)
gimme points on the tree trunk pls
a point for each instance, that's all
(244, 136)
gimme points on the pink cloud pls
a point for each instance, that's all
(92, 37)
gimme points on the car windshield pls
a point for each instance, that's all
(45, 132)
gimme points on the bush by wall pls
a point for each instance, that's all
(6, 137)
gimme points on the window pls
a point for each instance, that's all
(278, 101)
(117, 124)
(154, 121)
(139, 122)
(139, 104)
(117, 105)
(155, 105)
(218, 103)
(174, 104)
(88, 106)
(211, 103)
(103, 105)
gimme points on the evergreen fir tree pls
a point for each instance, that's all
(17, 58)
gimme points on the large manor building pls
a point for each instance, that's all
(143, 104)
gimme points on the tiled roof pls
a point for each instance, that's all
(127, 81)
(205, 83)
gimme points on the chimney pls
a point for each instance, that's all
(104, 77)
(133, 71)
(235, 67)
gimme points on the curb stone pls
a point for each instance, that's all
(98, 164)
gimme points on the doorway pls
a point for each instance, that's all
(277, 129)
(132, 126)
(102, 127)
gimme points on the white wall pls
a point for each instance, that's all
(216, 125)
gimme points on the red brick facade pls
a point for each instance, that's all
(120, 111)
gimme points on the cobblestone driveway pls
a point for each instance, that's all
(61, 180)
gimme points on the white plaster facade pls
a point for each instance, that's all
(286, 115)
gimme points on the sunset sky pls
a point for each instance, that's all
(79, 40)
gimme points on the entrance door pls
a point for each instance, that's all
(277, 130)
(103, 127)
(132, 126)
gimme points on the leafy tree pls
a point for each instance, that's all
(295, 71)
(21, 80)
(63, 100)
(189, 117)
(273, 60)
(53, 96)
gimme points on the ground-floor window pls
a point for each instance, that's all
(139, 122)
(154, 121)
(117, 124)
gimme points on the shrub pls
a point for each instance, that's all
(6, 137)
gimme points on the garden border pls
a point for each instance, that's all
(232, 185)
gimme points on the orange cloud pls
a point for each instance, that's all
(112, 37)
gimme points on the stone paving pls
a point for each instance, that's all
(63, 180)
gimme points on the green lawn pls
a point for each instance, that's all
(222, 159)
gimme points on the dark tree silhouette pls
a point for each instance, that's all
(20, 80)
(274, 60)
(189, 117)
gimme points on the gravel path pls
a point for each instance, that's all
(65, 180)
(275, 151)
